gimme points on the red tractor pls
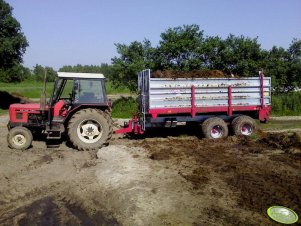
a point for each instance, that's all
(78, 107)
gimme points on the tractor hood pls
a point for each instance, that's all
(24, 107)
(18, 113)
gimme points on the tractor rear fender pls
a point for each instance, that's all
(104, 108)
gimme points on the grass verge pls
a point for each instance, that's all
(280, 125)
(286, 104)
(29, 89)
(3, 111)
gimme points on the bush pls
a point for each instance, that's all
(124, 107)
(17, 73)
(286, 104)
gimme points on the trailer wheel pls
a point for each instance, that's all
(214, 128)
(19, 138)
(244, 125)
(90, 129)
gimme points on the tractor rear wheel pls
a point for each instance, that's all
(19, 138)
(90, 129)
(243, 125)
(214, 128)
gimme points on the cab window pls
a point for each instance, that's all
(88, 91)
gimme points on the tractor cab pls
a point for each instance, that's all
(79, 88)
(72, 92)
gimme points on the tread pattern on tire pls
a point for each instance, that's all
(77, 143)
(210, 122)
(27, 133)
(243, 119)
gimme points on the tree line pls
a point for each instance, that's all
(187, 48)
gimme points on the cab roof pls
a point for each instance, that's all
(79, 75)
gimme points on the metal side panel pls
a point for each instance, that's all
(207, 103)
(143, 94)
(176, 93)
(207, 82)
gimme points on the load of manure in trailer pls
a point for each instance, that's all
(191, 74)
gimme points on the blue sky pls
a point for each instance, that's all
(70, 32)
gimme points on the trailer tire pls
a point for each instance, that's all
(19, 138)
(243, 125)
(89, 129)
(214, 128)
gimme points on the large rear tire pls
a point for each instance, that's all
(19, 138)
(244, 125)
(89, 129)
(214, 128)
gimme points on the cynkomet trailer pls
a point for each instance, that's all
(215, 103)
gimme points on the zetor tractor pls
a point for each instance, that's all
(78, 107)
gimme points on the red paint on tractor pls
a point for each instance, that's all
(23, 109)
(57, 107)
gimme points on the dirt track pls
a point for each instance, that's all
(152, 181)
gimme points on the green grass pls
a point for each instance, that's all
(280, 125)
(124, 107)
(33, 89)
(286, 104)
(3, 111)
(29, 89)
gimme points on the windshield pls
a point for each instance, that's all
(89, 91)
(57, 87)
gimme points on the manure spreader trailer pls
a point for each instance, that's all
(214, 103)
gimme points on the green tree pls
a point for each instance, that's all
(132, 59)
(186, 48)
(234, 55)
(180, 48)
(284, 66)
(213, 53)
(39, 73)
(294, 72)
(13, 44)
(242, 56)
(102, 68)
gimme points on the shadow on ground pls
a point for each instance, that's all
(7, 99)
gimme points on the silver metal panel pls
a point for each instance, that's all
(209, 92)
(205, 90)
(207, 82)
(143, 94)
(206, 103)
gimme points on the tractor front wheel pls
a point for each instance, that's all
(90, 129)
(19, 138)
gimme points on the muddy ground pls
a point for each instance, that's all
(161, 179)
